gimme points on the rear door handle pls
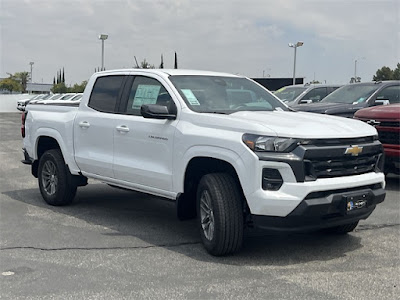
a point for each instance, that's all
(123, 128)
(84, 124)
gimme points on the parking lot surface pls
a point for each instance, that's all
(116, 244)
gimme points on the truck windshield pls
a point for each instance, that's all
(351, 94)
(288, 94)
(217, 94)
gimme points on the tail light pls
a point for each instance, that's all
(23, 119)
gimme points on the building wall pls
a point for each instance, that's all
(274, 84)
(39, 88)
(8, 102)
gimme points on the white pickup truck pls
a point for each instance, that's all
(227, 150)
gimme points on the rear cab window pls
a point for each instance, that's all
(106, 93)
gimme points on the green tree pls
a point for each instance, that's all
(22, 78)
(162, 62)
(396, 72)
(146, 65)
(384, 73)
(59, 88)
(10, 85)
(78, 88)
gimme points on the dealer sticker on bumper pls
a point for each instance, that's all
(356, 202)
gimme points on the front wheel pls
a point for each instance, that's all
(55, 180)
(220, 214)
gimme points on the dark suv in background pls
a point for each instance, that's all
(346, 100)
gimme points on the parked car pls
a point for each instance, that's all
(67, 96)
(305, 94)
(48, 96)
(23, 102)
(223, 147)
(44, 100)
(346, 100)
(76, 98)
(386, 119)
(61, 98)
(65, 99)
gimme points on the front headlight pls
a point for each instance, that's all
(269, 143)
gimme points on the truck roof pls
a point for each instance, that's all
(168, 72)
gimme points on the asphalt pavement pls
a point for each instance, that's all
(117, 244)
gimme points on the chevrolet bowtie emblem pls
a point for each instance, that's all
(373, 122)
(354, 150)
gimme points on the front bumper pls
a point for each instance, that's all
(331, 171)
(325, 209)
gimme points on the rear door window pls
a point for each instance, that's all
(391, 93)
(106, 92)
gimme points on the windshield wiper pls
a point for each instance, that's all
(215, 112)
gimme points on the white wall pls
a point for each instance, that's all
(8, 103)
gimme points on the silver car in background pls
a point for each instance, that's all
(305, 94)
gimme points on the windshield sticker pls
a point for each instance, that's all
(359, 100)
(191, 98)
(145, 94)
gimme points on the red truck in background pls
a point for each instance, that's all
(386, 120)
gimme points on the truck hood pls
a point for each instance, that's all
(286, 124)
(390, 112)
(342, 109)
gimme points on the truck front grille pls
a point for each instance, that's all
(389, 137)
(328, 161)
(341, 166)
(389, 124)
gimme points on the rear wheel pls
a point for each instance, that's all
(55, 180)
(220, 215)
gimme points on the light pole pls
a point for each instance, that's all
(31, 63)
(298, 44)
(355, 68)
(102, 37)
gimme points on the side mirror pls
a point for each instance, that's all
(381, 102)
(155, 111)
(306, 101)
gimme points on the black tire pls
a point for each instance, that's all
(55, 180)
(343, 229)
(223, 214)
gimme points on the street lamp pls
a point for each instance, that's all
(102, 37)
(31, 63)
(298, 44)
(355, 68)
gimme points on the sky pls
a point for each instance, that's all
(247, 37)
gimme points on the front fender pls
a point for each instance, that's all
(234, 159)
